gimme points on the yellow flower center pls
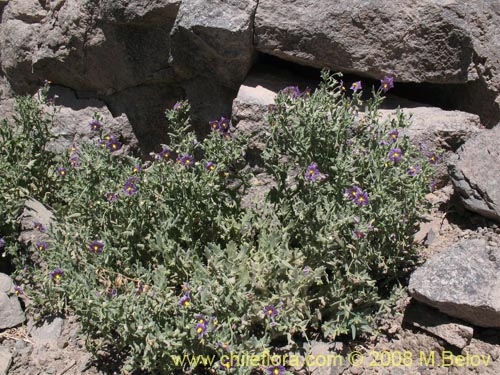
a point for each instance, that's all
(276, 371)
(199, 330)
(186, 303)
(361, 199)
(270, 312)
(57, 277)
(396, 155)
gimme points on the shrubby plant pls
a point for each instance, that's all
(24, 162)
(161, 258)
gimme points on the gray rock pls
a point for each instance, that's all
(5, 283)
(368, 38)
(105, 46)
(430, 320)
(34, 212)
(434, 128)
(214, 40)
(72, 118)
(473, 172)
(11, 313)
(48, 333)
(463, 281)
(5, 360)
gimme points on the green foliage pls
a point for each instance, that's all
(24, 161)
(161, 258)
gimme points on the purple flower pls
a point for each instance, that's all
(74, 162)
(18, 290)
(165, 154)
(214, 125)
(201, 319)
(341, 85)
(57, 274)
(227, 136)
(39, 227)
(215, 323)
(433, 158)
(395, 155)
(2, 242)
(413, 171)
(306, 92)
(73, 149)
(95, 125)
(96, 247)
(361, 198)
(129, 189)
(307, 270)
(276, 370)
(223, 124)
(393, 136)
(201, 329)
(185, 301)
(41, 246)
(210, 166)
(312, 172)
(356, 86)
(186, 160)
(387, 83)
(359, 234)
(226, 363)
(102, 143)
(62, 172)
(270, 311)
(137, 169)
(353, 192)
(434, 185)
(113, 144)
(292, 91)
(112, 292)
(177, 106)
(132, 180)
(111, 196)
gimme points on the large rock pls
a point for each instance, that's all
(473, 172)
(370, 38)
(434, 128)
(214, 39)
(413, 41)
(453, 331)
(11, 313)
(5, 360)
(35, 213)
(462, 281)
(73, 116)
(105, 46)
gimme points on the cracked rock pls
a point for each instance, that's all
(463, 281)
(474, 172)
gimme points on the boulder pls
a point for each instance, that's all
(463, 281)
(434, 128)
(35, 213)
(105, 46)
(73, 116)
(214, 39)
(369, 38)
(449, 42)
(472, 172)
(5, 283)
(453, 331)
(5, 360)
(11, 313)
